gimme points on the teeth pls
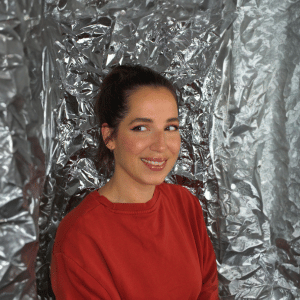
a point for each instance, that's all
(155, 163)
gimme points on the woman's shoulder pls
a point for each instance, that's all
(181, 201)
(74, 219)
(179, 194)
(87, 205)
(175, 189)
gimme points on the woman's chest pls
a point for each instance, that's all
(152, 258)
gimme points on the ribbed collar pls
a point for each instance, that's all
(149, 206)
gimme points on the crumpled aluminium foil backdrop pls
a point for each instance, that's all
(21, 155)
(255, 148)
(236, 66)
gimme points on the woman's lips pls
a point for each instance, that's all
(155, 159)
(155, 167)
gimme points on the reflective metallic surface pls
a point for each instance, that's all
(255, 146)
(236, 65)
(21, 156)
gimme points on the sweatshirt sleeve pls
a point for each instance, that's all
(207, 258)
(70, 281)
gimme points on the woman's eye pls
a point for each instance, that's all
(172, 128)
(139, 128)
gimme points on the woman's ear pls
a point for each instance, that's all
(106, 132)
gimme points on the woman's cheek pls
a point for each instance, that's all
(174, 143)
(134, 145)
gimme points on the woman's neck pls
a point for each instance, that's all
(118, 190)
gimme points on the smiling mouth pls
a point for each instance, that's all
(154, 163)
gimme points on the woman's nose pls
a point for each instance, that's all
(159, 142)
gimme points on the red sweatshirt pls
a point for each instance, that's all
(133, 251)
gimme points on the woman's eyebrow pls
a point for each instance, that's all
(151, 121)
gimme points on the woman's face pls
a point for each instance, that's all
(148, 140)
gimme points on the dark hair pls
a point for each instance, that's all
(112, 103)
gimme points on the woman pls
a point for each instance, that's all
(137, 237)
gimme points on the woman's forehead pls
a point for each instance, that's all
(151, 98)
